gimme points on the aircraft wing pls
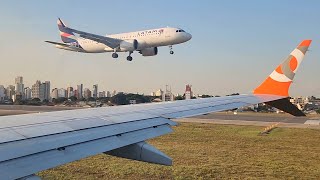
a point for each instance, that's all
(111, 42)
(34, 142)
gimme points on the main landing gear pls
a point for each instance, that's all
(129, 58)
(171, 51)
(114, 54)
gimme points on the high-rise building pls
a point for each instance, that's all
(35, 90)
(167, 95)
(19, 80)
(62, 93)
(95, 91)
(188, 93)
(80, 91)
(2, 93)
(108, 94)
(87, 93)
(41, 90)
(19, 86)
(54, 93)
(47, 90)
(10, 92)
(102, 94)
(114, 93)
(70, 92)
(27, 93)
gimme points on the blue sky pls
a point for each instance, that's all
(235, 44)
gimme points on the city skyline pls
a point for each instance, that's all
(228, 41)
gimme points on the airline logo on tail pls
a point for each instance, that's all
(280, 79)
(66, 35)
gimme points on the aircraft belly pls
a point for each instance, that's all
(93, 48)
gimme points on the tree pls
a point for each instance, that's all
(45, 101)
(120, 99)
(318, 111)
(179, 97)
(73, 99)
(205, 96)
(91, 99)
(36, 100)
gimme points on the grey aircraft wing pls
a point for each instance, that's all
(111, 42)
(34, 142)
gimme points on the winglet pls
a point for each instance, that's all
(279, 81)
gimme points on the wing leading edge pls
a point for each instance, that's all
(35, 142)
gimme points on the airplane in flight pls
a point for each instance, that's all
(145, 42)
(35, 142)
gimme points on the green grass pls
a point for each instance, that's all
(209, 151)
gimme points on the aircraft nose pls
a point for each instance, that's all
(189, 36)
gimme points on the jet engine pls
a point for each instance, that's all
(149, 51)
(129, 45)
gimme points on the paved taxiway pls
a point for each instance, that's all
(253, 119)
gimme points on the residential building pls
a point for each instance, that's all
(35, 90)
(62, 93)
(54, 93)
(19, 86)
(188, 93)
(95, 91)
(70, 92)
(167, 95)
(102, 94)
(47, 90)
(27, 93)
(80, 91)
(2, 93)
(87, 93)
(10, 92)
(108, 94)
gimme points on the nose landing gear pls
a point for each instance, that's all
(171, 51)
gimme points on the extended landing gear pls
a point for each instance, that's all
(129, 58)
(171, 51)
(114, 54)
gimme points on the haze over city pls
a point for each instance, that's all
(225, 36)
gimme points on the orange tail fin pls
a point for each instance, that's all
(279, 81)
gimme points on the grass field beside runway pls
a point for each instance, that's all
(206, 151)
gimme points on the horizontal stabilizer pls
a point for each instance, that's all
(57, 43)
(286, 106)
(142, 151)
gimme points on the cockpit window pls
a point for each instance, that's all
(180, 30)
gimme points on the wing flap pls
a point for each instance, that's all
(142, 151)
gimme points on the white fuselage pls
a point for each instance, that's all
(146, 39)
